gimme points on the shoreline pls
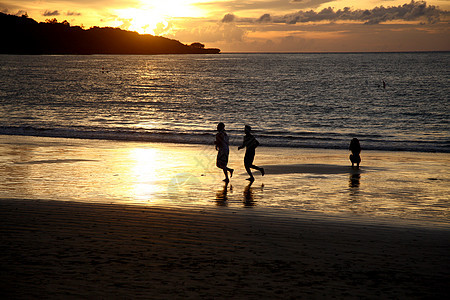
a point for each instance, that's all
(139, 137)
(63, 249)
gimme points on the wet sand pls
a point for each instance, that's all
(60, 250)
(396, 185)
(104, 219)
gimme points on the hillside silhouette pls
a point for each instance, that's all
(23, 35)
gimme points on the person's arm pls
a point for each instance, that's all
(243, 144)
(218, 141)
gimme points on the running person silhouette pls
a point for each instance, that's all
(250, 143)
(222, 145)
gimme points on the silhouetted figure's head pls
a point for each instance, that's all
(247, 129)
(220, 126)
(355, 146)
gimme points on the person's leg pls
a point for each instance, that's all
(259, 169)
(226, 174)
(247, 168)
(231, 171)
(248, 163)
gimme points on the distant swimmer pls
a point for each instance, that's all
(250, 143)
(355, 148)
(223, 146)
(384, 85)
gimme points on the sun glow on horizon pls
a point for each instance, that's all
(141, 21)
(154, 17)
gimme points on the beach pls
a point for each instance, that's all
(111, 219)
(68, 250)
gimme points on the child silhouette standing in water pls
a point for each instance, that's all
(355, 148)
(250, 143)
(222, 145)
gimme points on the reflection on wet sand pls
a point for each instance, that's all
(222, 195)
(353, 184)
(249, 195)
(354, 181)
(249, 200)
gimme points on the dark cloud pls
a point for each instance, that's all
(228, 18)
(266, 18)
(241, 6)
(73, 13)
(22, 13)
(49, 13)
(409, 12)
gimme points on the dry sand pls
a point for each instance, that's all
(63, 250)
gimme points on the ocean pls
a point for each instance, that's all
(389, 101)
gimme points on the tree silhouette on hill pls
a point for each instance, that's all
(23, 35)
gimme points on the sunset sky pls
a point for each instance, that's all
(263, 25)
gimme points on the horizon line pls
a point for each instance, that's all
(331, 52)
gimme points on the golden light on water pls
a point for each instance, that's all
(145, 170)
(161, 175)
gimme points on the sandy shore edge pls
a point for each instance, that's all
(60, 250)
